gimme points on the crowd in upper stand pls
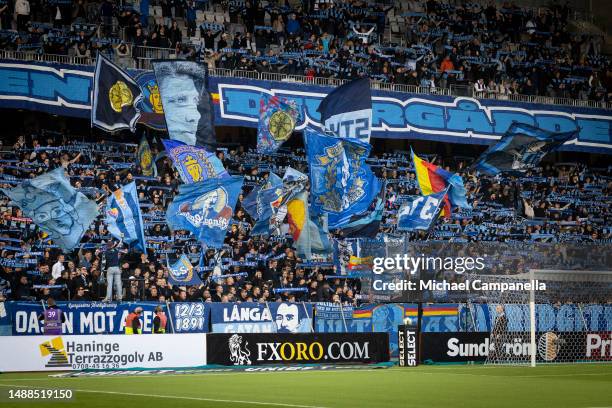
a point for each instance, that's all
(567, 203)
(481, 49)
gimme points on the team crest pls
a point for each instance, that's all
(150, 105)
(210, 209)
(281, 125)
(119, 96)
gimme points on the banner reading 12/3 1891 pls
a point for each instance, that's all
(66, 90)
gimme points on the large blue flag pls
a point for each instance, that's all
(420, 213)
(194, 163)
(521, 148)
(123, 216)
(366, 225)
(277, 118)
(182, 273)
(341, 183)
(263, 202)
(347, 110)
(56, 207)
(205, 208)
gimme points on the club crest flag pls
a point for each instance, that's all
(277, 119)
(194, 163)
(347, 110)
(521, 148)
(55, 207)
(145, 159)
(123, 216)
(182, 273)
(419, 213)
(341, 183)
(116, 96)
(186, 103)
(434, 179)
(205, 208)
(263, 203)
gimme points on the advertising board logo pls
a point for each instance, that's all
(313, 352)
(55, 349)
(239, 354)
(549, 345)
(411, 348)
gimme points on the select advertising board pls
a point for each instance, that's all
(302, 348)
(97, 352)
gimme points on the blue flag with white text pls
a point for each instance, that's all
(205, 208)
(182, 273)
(347, 110)
(194, 163)
(421, 212)
(341, 183)
(124, 218)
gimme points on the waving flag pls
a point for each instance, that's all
(521, 148)
(347, 110)
(309, 231)
(115, 97)
(277, 120)
(145, 159)
(194, 163)
(124, 218)
(186, 103)
(419, 213)
(263, 202)
(434, 179)
(182, 273)
(366, 225)
(341, 183)
(56, 207)
(205, 208)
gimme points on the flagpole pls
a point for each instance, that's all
(307, 316)
(170, 316)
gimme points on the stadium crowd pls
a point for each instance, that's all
(483, 50)
(565, 203)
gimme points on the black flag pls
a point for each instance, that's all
(115, 98)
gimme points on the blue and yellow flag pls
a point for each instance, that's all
(182, 273)
(145, 159)
(205, 208)
(123, 216)
(56, 207)
(277, 119)
(194, 163)
(341, 182)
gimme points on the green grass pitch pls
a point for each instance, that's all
(556, 386)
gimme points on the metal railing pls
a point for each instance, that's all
(164, 53)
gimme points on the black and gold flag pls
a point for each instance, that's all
(115, 98)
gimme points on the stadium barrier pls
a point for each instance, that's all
(301, 348)
(552, 346)
(98, 352)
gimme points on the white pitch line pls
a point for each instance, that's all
(180, 397)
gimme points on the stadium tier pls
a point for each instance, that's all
(345, 194)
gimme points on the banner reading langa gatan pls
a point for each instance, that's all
(272, 317)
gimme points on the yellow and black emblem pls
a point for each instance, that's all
(119, 96)
(281, 125)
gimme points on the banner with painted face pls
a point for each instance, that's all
(186, 103)
(261, 317)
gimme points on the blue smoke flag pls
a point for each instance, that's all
(347, 110)
(194, 163)
(277, 118)
(145, 159)
(263, 202)
(521, 148)
(420, 213)
(366, 225)
(56, 207)
(341, 183)
(182, 273)
(205, 208)
(124, 218)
